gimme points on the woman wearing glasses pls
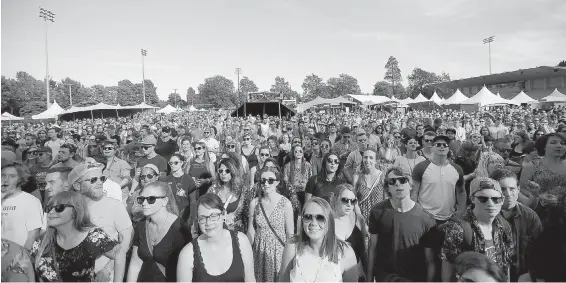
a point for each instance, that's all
(324, 184)
(248, 150)
(183, 186)
(201, 168)
(316, 254)
(271, 216)
(219, 254)
(230, 187)
(350, 226)
(159, 238)
(255, 171)
(149, 174)
(68, 249)
(297, 173)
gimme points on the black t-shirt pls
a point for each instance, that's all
(157, 160)
(166, 149)
(402, 237)
(323, 190)
(182, 187)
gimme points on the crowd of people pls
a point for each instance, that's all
(365, 195)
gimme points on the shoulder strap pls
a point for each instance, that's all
(269, 223)
(468, 232)
(372, 186)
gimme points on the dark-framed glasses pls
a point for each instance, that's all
(224, 171)
(443, 145)
(392, 181)
(148, 176)
(211, 217)
(484, 199)
(174, 162)
(308, 218)
(268, 181)
(333, 161)
(150, 199)
(346, 201)
(58, 207)
(95, 179)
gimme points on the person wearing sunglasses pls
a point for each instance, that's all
(350, 226)
(270, 225)
(480, 228)
(504, 149)
(211, 252)
(426, 150)
(212, 145)
(296, 175)
(116, 170)
(107, 213)
(44, 162)
(399, 229)
(307, 259)
(255, 171)
(201, 168)
(324, 184)
(249, 151)
(159, 238)
(61, 254)
(149, 156)
(183, 186)
(231, 188)
(439, 183)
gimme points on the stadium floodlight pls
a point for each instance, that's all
(489, 40)
(47, 16)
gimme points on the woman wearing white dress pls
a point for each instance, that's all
(316, 254)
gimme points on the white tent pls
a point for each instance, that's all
(456, 98)
(484, 97)
(506, 101)
(142, 105)
(555, 96)
(370, 99)
(9, 117)
(522, 97)
(406, 100)
(192, 108)
(168, 109)
(420, 98)
(51, 113)
(436, 98)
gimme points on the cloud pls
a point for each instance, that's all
(445, 8)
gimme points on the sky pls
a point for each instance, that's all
(99, 42)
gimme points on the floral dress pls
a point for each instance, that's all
(267, 249)
(75, 264)
(16, 263)
(296, 182)
(368, 195)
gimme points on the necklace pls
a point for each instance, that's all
(317, 270)
(153, 240)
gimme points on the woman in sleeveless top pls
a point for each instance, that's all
(368, 184)
(254, 171)
(273, 147)
(306, 259)
(350, 226)
(159, 238)
(271, 220)
(296, 174)
(410, 159)
(218, 255)
(388, 154)
(186, 149)
(201, 168)
(249, 151)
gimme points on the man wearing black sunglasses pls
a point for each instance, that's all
(149, 157)
(480, 229)
(106, 213)
(43, 156)
(503, 148)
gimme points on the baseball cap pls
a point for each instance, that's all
(345, 130)
(441, 137)
(152, 167)
(43, 149)
(8, 157)
(81, 170)
(484, 183)
(149, 140)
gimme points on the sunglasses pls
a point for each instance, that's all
(314, 143)
(94, 179)
(246, 129)
(484, 199)
(325, 146)
(427, 140)
(443, 145)
(269, 181)
(206, 133)
(174, 162)
(397, 137)
(224, 171)
(146, 147)
(40, 154)
(333, 161)
(308, 218)
(346, 201)
(198, 148)
(246, 139)
(296, 141)
(148, 176)
(150, 199)
(108, 148)
(298, 151)
(264, 154)
(392, 181)
(231, 146)
(58, 207)
(504, 150)
(212, 217)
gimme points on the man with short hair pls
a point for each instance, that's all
(30, 142)
(498, 131)
(332, 133)
(106, 213)
(428, 137)
(439, 183)
(166, 145)
(454, 143)
(344, 146)
(212, 145)
(56, 181)
(44, 160)
(503, 147)
(525, 223)
(149, 157)
(410, 131)
(354, 160)
(66, 156)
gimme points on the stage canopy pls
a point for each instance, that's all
(436, 98)
(142, 105)
(168, 109)
(320, 101)
(51, 113)
(522, 97)
(9, 117)
(419, 98)
(456, 98)
(555, 96)
(192, 108)
(270, 108)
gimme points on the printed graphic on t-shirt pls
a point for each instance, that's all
(490, 250)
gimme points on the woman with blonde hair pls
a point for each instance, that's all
(159, 237)
(70, 246)
(489, 161)
(316, 254)
(388, 153)
(201, 168)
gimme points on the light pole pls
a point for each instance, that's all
(175, 97)
(143, 53)
(70, 96)
(489, 40)
(47, 16)
(238, 72)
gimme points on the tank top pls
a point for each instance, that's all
(235, 272)
(252, 158)
(356, 240)
(198, 170)
(312, 268)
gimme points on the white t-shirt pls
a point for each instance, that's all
(20, 214)
(112, 189)
(55, 146)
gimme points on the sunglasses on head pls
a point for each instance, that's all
(308, 218)
(333, 161)
(346, 201)
(392, 181)
(224, 171)
(94, 179)
(269, 181)
(484, 199)
(58, 207)
(148, 176)
(150, 199)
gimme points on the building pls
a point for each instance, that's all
(536, 82)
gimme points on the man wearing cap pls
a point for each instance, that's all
(438, 183)
(149, 157)
(166, 145)
(66, 156)
(106, 213)
(525, 223)
(481, 229)
(344, 145)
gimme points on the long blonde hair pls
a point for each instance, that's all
(81, 223)
(167, 191)
(487, 158)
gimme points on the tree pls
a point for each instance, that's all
(393, 73)
(218, 91)
(419, 79)
(175, 100)
(246, 86)
(313, 86)
(283, 87)
(342, 85)
(191, 96)
(562, 63)
(127, 94)
(384, 88)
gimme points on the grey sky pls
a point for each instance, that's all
(99, 42)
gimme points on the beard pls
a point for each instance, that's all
(93, 193)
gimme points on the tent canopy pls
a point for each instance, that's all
(555, 96)
(419, 98)
(484, 98)
(436, 98)
(192, 108)
(51, 113)
(168, 109)
(270, 108)
(370, 99)
(9, 117)
(456, 98)
(142, 105)
(522, 97)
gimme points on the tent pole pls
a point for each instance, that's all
(279, 110)
(263, 111)
(245, 114)
(91, 116)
